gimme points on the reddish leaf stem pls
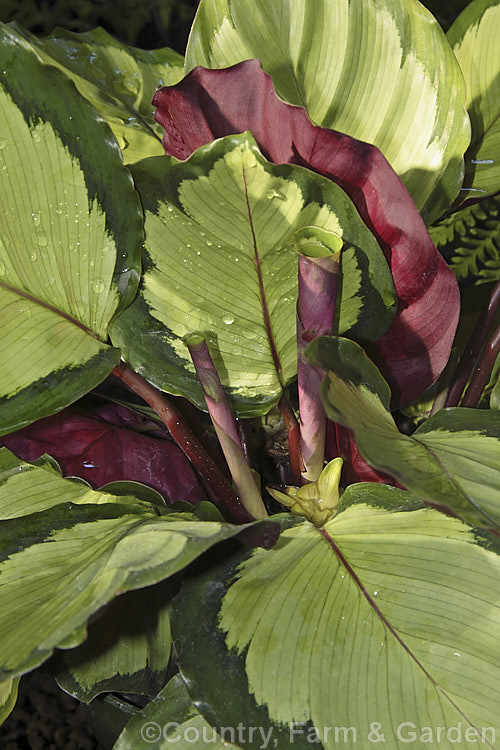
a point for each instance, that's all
(473, 348)
(482, 373)
(292, 426)
(218, 487)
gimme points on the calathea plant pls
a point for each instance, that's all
(225, 322)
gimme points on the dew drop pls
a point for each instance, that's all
(209, 243)
(198, 252)
(275, 194)
(88, 464)
(228, 319)
(33, 256)
(41, 240)
(36, 218)
(36, 136)
(59, 211)
(375, 593)
(3, 143)
(99, 286)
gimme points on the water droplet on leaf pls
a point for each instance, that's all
(99, 286)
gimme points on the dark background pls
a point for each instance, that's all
(142, 23)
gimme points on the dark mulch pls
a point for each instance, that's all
(46, 718)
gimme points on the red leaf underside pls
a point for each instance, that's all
(107, 447)
(210, 104)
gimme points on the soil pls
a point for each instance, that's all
(46, 718)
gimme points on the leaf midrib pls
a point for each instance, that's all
(51, 308)
(262, 291)
(357, 580)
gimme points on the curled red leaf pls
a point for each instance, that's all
(209, 104)
(107, 447)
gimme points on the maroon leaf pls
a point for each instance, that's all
(209, 104)
(107, 447)
(355, 468)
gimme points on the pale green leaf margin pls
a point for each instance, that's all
(60, 565)
(381, 72)
(69, 253)
(207, 221)
(475, 37)
(119, 80)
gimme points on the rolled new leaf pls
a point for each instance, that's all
(209, 104)
(451, 460)
(319, 254)
(225, 426)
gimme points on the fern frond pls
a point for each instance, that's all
(470, 241)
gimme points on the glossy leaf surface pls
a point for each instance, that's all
(369, 619)
(210, 104)
(8, 697)
(127, 648)
(220, 260)
(381, 72)
(69, 241)
(171, 718)
(451, 460)
(117, 79)
(474, 38)
(66, 551)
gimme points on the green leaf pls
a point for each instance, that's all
(170, 718)
(474, 38)
(117, 79)
(27, 488)
(69, 241)
(127, 649)
(220, 260)
(451, 460)
(470, 240)
(70, 553)
(381, 72)
(8, 697)
(387, 616)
